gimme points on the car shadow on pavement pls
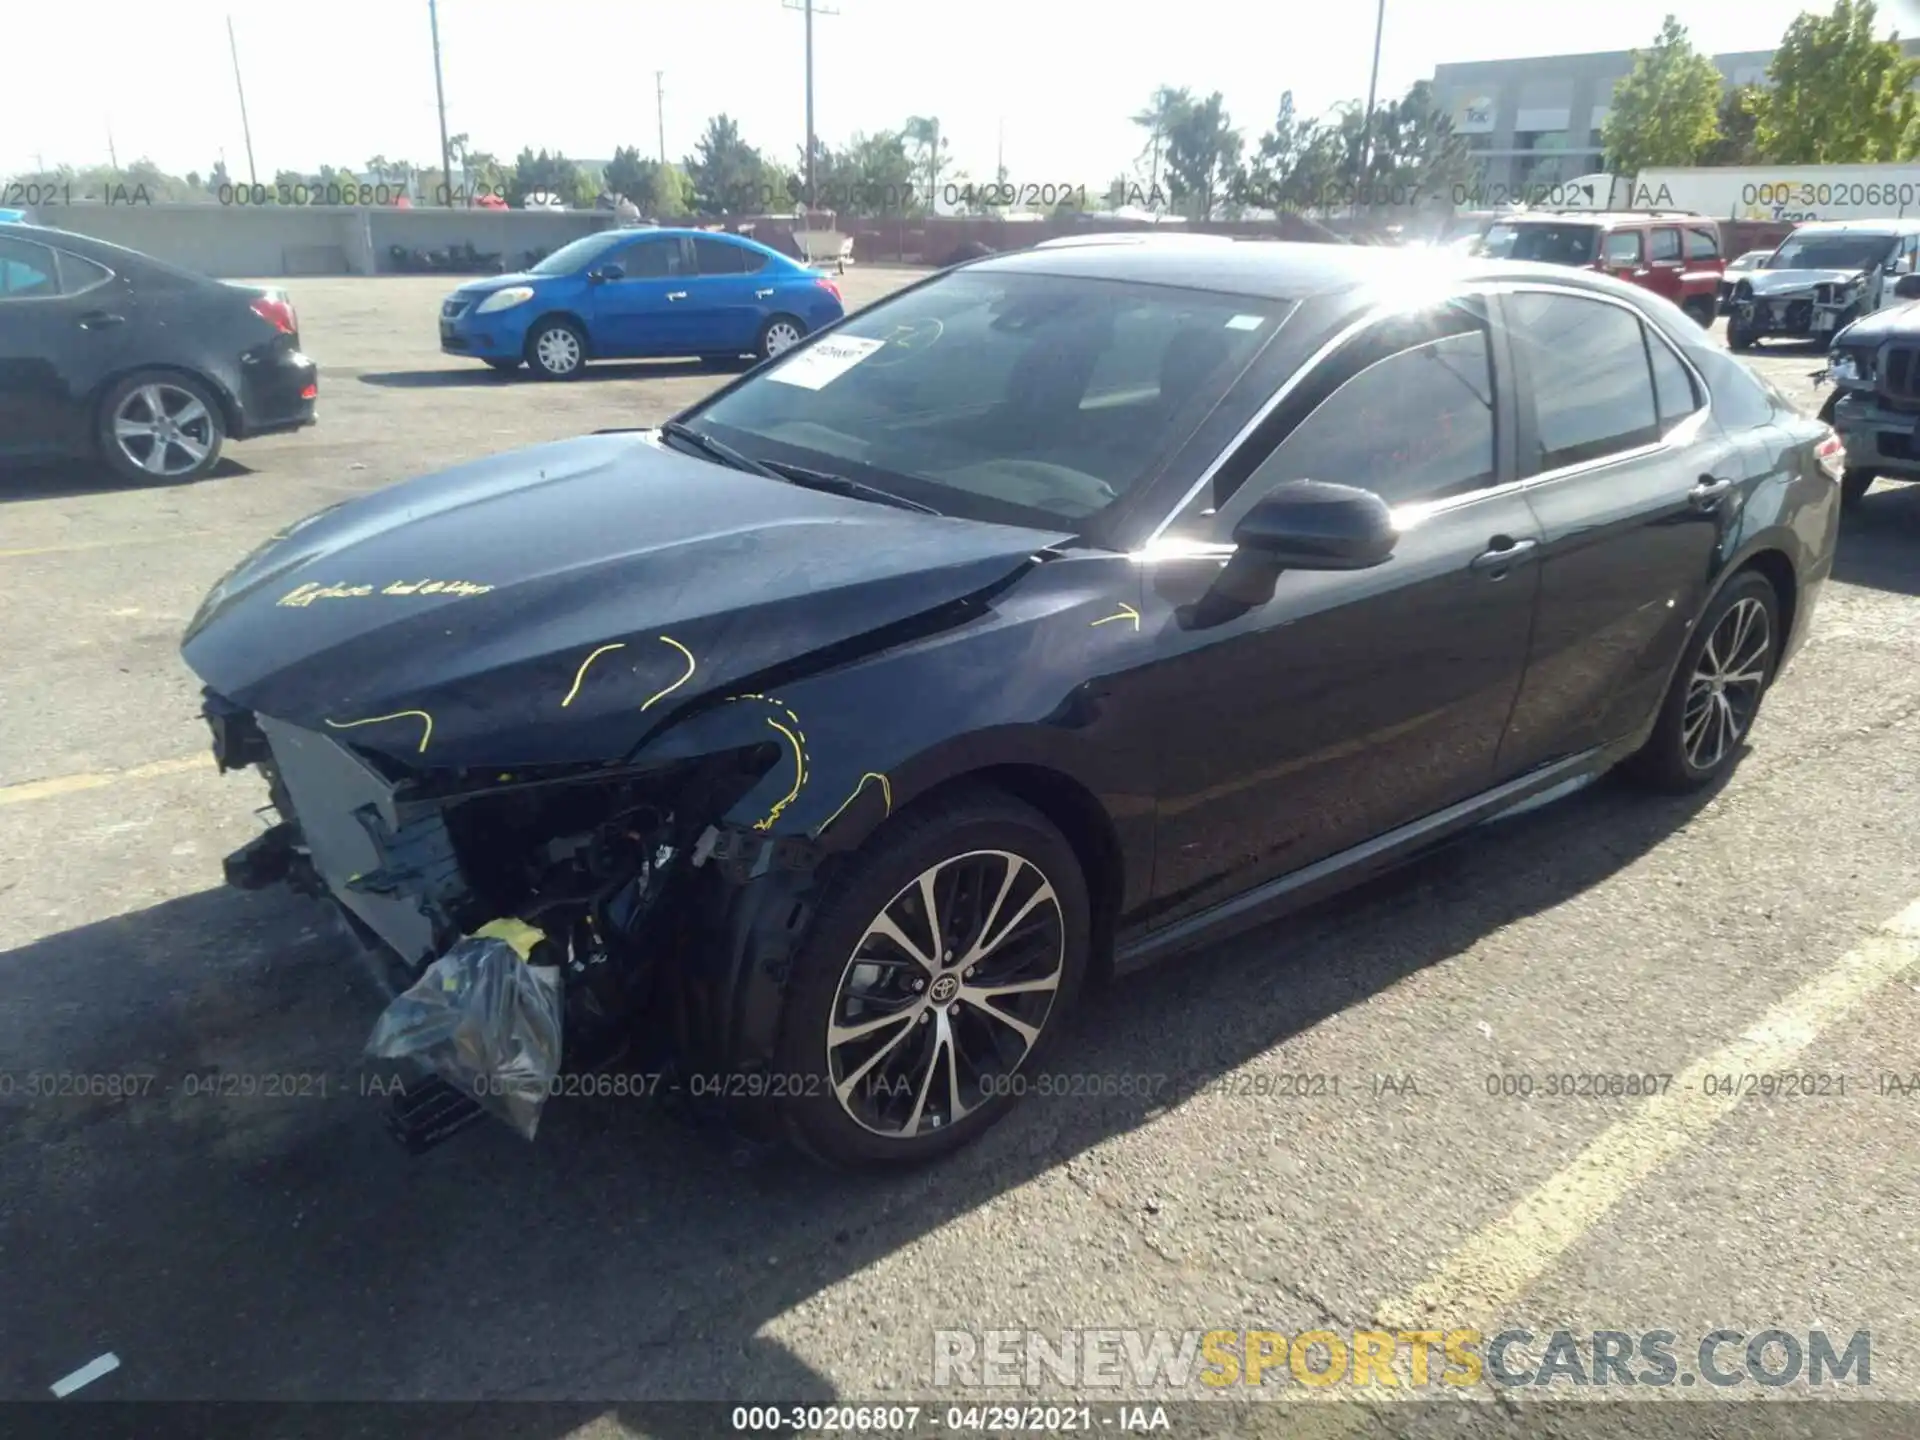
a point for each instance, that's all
(1880, 540)
(476, 375)
(61, 479)
(228, 1243)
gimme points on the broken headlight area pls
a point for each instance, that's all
(613, 870)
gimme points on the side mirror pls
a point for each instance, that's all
(1299, 525)
(1312, 525)
(1907, 287)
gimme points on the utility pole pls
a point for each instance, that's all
(112, 158)
(1000, 155)
(1373, 87)
(253, 176)
(660, 112)
(808, 8)
(440, 95)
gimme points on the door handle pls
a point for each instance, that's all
(761, 294)
(1501, 557)
(1709, 492)
(676, 295)
(100, 320)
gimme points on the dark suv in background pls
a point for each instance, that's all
(1875, 405)
(1824, 276)
(1675, 254)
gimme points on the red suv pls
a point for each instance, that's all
(1670, 252)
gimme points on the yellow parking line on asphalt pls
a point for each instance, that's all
(94, 780)
(108, 544)
(1495, 1267)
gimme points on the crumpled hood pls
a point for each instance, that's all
(1770, 283)
(557, 604)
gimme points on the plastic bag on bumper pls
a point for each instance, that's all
(484, 1019)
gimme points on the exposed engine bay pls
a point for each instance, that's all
(582, 876)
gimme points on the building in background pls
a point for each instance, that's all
(1537, 122)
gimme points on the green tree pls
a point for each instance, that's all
(1296, 165)
(726, 173)
(627, 174)
(1202, 155)
(1666, 111)
(218, 178)
(551, 174)
(1838, 95)
(1738, 142)
(1415, 152)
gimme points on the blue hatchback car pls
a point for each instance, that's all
(627, 294)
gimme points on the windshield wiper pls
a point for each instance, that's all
(713, 449)
(842, 485)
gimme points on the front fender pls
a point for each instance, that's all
(1025, 684)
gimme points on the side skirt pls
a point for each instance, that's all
(1350, 867)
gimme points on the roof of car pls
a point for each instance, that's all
(1604, 217)
(1278, 269)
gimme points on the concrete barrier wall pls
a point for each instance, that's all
(235, 241)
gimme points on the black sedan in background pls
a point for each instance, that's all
(111, 354)
(1064, 611)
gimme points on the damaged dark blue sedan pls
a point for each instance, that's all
(1063, 611)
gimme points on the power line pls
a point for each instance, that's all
(808, 8)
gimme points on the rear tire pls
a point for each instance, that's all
(911, 1093)
(1854, 485)
(779, 335)
(557, 350)
(1739, 337)
(160, 425)
(1701, 309)
(1708, 712)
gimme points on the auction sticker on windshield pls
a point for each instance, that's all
(825, 361)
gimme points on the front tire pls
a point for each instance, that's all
(1723, 675)
(160, 425)
(933, 982)
(557, 350)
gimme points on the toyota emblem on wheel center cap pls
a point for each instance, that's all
(944, 989)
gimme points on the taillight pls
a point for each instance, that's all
(1832, 455)
(277, 312)
(831, 288)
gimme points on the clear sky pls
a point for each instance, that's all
(338, 82)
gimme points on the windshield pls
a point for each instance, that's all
(570, 257)
(1025, 399)
(1551, 244)
(1831, 252)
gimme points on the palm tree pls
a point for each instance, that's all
(923, 133)
(1162, 113)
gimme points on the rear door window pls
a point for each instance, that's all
(1666, 243)
(717, 257)
(1701, 245)
(1586, 361)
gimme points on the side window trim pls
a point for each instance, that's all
(65, 263)
(1682, 434)
(1505, 454)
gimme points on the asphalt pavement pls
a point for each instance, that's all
(1327, 1129)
